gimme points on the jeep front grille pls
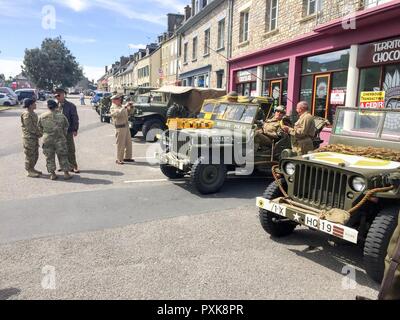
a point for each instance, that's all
(320, 187)
(177, 141)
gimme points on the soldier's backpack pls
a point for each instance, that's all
(390, 289)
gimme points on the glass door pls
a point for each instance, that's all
(321, 95)
(275, 91)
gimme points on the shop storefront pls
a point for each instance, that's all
(246, 82)
(379, 64)
(330, 66)
(197, 78)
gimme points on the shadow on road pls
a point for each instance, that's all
(5, 294)
(79, 180)
(335, 258)
(234, 187)
(103, 172)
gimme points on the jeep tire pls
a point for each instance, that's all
(208, 178)
(149, 126)
(271, 222)
(171, 172)
(377, 242)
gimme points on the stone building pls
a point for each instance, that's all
(203, 40)
(313, 50)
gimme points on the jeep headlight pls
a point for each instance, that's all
(358, 184)
(290, 168)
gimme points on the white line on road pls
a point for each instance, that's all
(144, 181)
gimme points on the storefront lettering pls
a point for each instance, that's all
(383, 57)
(379, 53)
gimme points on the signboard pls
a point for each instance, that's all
(246, 76)
(338, 97)
(379, 53)
(372, 99)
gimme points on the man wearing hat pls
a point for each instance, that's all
(271, 129)
(232, 96)
(70, 112)
(54, 127)
(120, 116)
(30, 137)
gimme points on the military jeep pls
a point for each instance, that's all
(208, 155)
(151, 116)
(349, 190)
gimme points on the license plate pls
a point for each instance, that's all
(272, 207)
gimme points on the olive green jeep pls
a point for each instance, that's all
(349, 190)
(208, 155)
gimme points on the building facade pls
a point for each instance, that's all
(169, 61)
(203, 45)
(328, 59)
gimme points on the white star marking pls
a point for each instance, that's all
(296, 217)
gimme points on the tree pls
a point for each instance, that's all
(52, 65)
(2, 79)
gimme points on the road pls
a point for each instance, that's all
(125, 232)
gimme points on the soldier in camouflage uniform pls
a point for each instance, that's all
(54, 126)
(30, 136)
(271, 130)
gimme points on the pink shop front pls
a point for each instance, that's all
(329, 67)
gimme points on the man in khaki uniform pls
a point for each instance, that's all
(271, 129)
(304, 130)
(120, 115)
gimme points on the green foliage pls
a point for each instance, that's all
(52, 65)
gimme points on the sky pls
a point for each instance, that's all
(98, 32)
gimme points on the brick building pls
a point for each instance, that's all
(203, 44)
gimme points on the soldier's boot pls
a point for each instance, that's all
(67, 176)
(53, 176)
(32, 174)
(37, 171)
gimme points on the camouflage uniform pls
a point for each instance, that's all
(54, 126)
(30, 138)
(303, 133)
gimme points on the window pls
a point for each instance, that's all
(244, 26)
(272, 14)
(373, 3)
(207, 42)
(185, 52)
(194, 53)
(311, 7)
(221, 34)
(220, 79)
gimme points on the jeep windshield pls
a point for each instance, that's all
(372, 124)
(236, 112)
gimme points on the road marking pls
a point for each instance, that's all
(144, 181)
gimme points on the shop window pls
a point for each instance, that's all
(306, 89)
(370, 79)
(326, 62)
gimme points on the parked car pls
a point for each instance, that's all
(349, 190)
(96, 98)
(9, 92)
(26, 93)
(6, 100)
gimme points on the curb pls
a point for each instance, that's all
(4, 108)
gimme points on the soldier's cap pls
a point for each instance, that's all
(116, 96)
(51, 104)
(59, 90)
(280, 109)
(28, 102)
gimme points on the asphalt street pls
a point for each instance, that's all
(125, 232)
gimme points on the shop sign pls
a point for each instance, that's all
(338, 97)
(246, 76)
(372, 99)
(379, 53)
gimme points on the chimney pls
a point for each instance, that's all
(106, 69)
(193, 7)
(188, 12)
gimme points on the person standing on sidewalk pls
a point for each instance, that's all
(82, 97)
(30, 137)
(120, 114)
(70, 112)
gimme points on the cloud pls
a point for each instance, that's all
(10, 67)
(93, 73)
(136, 46)
(121, 7)
(80, 40)
(176, 5)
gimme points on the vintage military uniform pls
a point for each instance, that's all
(120, 118)
(303, 133)
(270, 132)
(54, 126)
(30, 137)
(391, 283)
